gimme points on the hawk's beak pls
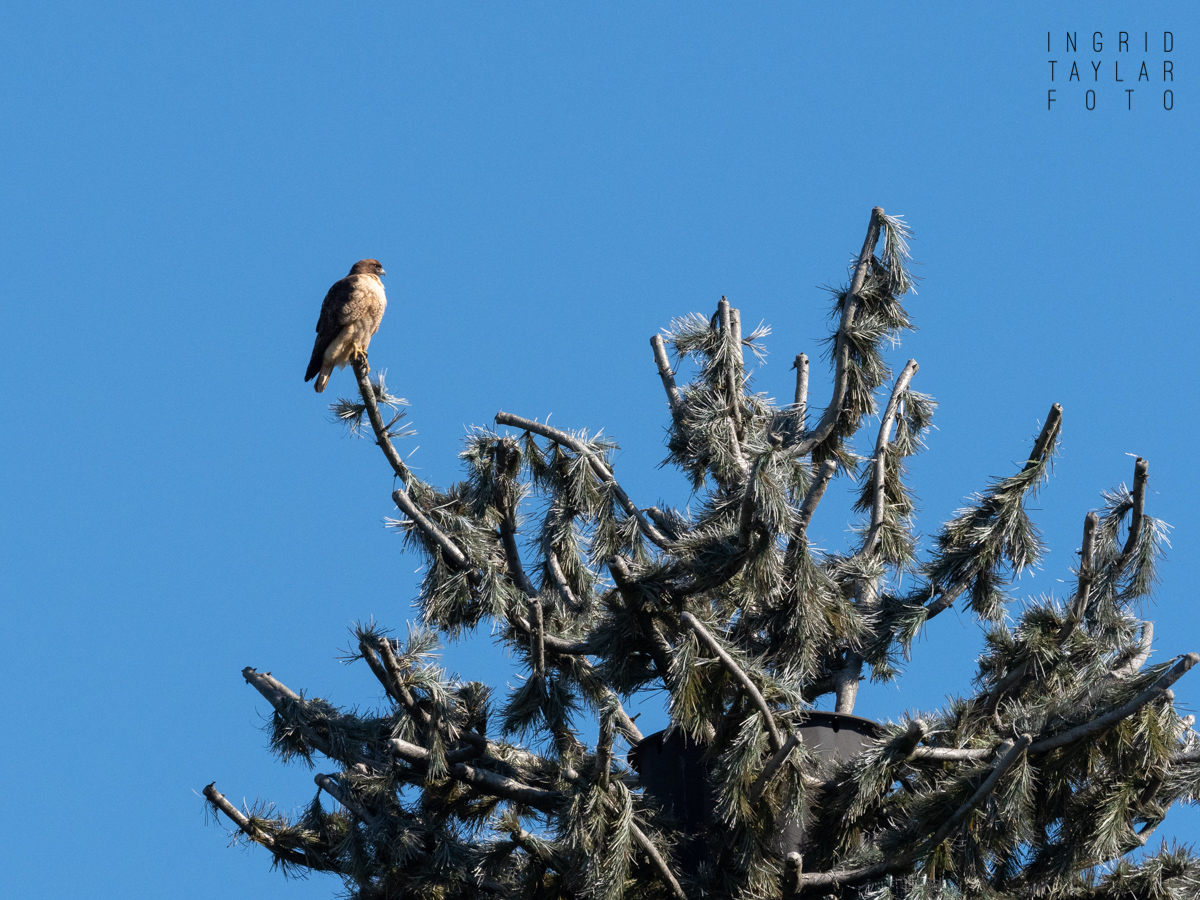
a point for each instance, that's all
(381, 272)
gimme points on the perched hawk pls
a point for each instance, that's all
(350, 316)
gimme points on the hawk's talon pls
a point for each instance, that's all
(360, 358)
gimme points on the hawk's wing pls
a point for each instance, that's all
(329, 323)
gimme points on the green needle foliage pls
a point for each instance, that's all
(1045, 778)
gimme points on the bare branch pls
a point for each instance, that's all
(674, 398)
(554, 569)
(329, 785)
(602, 471)
(1140, 472)
(382, 438)
(881, 449)
(1144, 649)
(450, 550)
(265, 838)
(949, 754)
(739, 675)
(801, 401)
(917, 729)
(512, 555)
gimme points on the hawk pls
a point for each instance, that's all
(350, 316)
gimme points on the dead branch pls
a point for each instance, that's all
(801, 401)
(674, 398)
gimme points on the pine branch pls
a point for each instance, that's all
(329, 785)
(556, 575)
(1046, 437)
(739, 675)
(841, 349)
(1012, 752)
(484, 780)
(660, 649)
(281, 697)
(815, 492)
(512, 555)
(732, 339)
(1140, 472)
(265, 839)
(763, 781)
(602, 471)
(944, 595)
(402, 694)
(1078, 607)
(451, 552)
(647, 846)
(880, 459)
(1160, 690)
(537, 637)
(382, 437)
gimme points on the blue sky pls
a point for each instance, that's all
(547, 186)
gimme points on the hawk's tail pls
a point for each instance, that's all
(322, 380)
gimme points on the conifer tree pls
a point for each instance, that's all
(1044, 778)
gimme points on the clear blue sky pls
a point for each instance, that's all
(547, 185)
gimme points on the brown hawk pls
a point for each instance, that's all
(349, 318)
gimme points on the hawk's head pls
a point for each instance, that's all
(368, 267)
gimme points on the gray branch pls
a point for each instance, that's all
(815, 492)
(362, 373)
(674, 398)
(801, 401)
(598, 466)
(264, 838)
(334, 789)
(841, 349)
(739, 675)
(647, 846)
(450, 550)
(881, 449)
(903, 862)
(1160, 690)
